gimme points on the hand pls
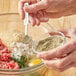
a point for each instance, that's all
(63, 57)
(41, 10)
(34, 18)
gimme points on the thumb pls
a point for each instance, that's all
(36, 7)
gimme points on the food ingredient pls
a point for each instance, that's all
(5, 61)
(20, 46)
(21, 53)
(34, 62)
(48, 43)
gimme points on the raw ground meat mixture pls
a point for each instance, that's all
(5, 61)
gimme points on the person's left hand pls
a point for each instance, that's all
(62, 57)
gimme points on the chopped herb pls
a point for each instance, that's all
(20, 62)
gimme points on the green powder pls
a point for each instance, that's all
(48, 43)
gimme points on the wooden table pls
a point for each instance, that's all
(9, 19)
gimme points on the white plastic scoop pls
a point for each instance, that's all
(26, 21)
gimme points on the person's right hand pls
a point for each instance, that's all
(34, 17)
(41, 10)
(64, 56)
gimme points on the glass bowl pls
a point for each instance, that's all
(48, 41)
(13, 22)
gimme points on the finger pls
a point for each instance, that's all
(37, 20)
(20, 9)
(40, 14)
(63, 63)
(59, 63)
(62, 69)
(32, 19)
(44, 19)
(21, 5)
(41, 17)
(73, 64)
(36, 7)
(59, 51)
(65, 68)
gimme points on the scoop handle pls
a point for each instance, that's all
(26, 21)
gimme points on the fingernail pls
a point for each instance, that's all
(44, 19)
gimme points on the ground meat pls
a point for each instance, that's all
(5, 61)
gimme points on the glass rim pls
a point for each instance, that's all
(23, 70)
(62, 35)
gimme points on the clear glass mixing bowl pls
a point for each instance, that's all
(13, 22)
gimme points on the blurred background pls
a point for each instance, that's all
(9, 19)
